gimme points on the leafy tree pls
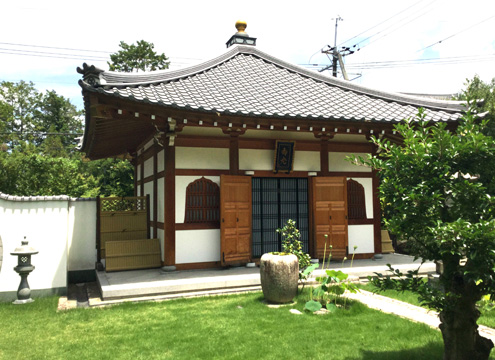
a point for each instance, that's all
(435, 186)
(19, 109)
(137, 57)
(34, 163)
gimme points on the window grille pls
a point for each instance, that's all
(202, 202)
(356, 206)
(275, 200)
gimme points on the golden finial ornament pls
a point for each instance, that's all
(241, 26)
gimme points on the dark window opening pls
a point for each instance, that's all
(356, 205)
(202, 202)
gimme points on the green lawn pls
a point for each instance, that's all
(487, 316)
(224, 327)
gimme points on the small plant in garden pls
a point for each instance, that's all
(333, 285)
(292, 245)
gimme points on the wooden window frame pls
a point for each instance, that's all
(202, 210)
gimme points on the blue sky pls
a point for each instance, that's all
(193, 31)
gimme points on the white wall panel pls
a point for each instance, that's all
(337, 162)
(181, 183)
(361, 236)
(201, 158)
(161, 160)
(193, 246)
(161, 236)
(161, 201)
(148, 189)
(252, 159)
(148, 167)
(306, 160)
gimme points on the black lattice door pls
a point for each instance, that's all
(275, 200)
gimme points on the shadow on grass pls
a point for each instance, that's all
(426, 352)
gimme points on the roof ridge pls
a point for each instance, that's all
(109, 79)
(7, 197)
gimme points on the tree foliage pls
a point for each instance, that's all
(38, 156)
(135, 57)
(434, 190)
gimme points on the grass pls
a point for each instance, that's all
(223, 327)
(487, 317)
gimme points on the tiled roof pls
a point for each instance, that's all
(246, 81)
(42, 198)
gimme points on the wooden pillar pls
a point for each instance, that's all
(155, 190)
(141, 173)
(134, 162)
(377, 215)
(324, 156)
(169, 194)
(234, 154)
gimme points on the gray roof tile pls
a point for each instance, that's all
(247, 81)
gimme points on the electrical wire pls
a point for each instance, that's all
(457, 33)
(384, 21)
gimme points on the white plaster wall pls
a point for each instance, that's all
(337, 162)
(361, 236)
(148, 145)
(252, 159)
(201, 158)
(161, 160)
(148, 167)
(82, 235)
(306, 160)
(138, 170)
(193, 246)
(368, 194)
(45, 225)
(161, 236)
(161, 200)
(148, 189)
(181, 183)
(282, 135)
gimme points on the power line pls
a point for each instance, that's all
(384, 21)
(457, 33)
(401, 24)
(412, 62)
(54, 47)
(73, 49)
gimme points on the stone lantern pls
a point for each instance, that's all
(23, 268)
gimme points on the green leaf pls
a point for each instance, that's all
(312, 306)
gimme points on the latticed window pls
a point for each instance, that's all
(356, 206)
(202, 202)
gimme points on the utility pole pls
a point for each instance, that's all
(337, 56)
(335, 51)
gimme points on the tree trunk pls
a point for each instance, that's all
(461, 338)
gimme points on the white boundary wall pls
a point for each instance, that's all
(62, 229)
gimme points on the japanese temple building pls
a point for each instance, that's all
(229, 149)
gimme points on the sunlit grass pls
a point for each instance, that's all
(487, 317)
(223, 327)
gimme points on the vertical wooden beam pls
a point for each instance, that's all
(377, 217)
(148, 214)
(155, 190)
(324, 156)
(169, 194)
(141, 172)
(134, 162)
(98, 229)
(234, 154)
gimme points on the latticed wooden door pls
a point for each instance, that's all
(330, 216)
(235, 219)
